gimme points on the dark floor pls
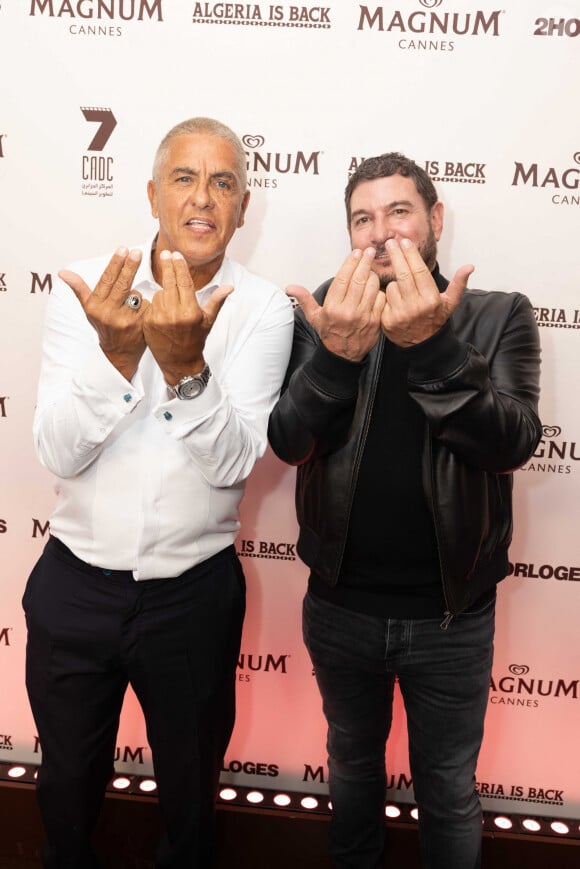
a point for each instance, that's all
(247, 839)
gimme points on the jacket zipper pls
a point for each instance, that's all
(448, 615)
(361, 444)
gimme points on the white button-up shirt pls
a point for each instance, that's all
(148, 482)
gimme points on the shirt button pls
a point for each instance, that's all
(168, 415)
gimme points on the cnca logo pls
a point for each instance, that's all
(107, 123)
(108, 10)
(266, 164)
(519, 688)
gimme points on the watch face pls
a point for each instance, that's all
(192, 385)
(191, 388)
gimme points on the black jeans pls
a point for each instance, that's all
(176, 641)
(444, 677)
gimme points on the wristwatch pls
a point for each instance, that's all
(191, 385)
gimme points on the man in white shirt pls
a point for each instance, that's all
(160, 367)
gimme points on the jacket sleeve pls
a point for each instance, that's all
(314, 412)
(483, 406)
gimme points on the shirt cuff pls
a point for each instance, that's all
(99, 376)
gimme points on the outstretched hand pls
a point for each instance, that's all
(415, 309)
(349, 320)
(175, 326)
(119, 327)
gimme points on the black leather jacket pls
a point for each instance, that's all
(477, 382)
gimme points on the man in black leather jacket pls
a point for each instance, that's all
(408, 402)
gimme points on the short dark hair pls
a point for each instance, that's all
(392, 163)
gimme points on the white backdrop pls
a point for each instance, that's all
(487, 100)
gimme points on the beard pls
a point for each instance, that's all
(428, 251)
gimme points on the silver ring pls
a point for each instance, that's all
(133, 301)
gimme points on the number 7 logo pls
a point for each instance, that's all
(107, 121)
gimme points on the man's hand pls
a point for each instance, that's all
(175, 326)
(415, 309)
(119, 327)
(349, 320)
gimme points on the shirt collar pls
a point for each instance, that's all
(144, 278)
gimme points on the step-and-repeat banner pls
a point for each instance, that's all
(486, 98)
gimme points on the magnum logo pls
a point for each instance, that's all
(40, 283)
(476, 23)
(126, 10)
(550, 178)
(395, 781)
(554, 454)
(270, 164)
(263, 663)
(519, 688)
(124, 754)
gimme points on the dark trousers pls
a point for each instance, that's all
(176, 641)
(444, 677)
